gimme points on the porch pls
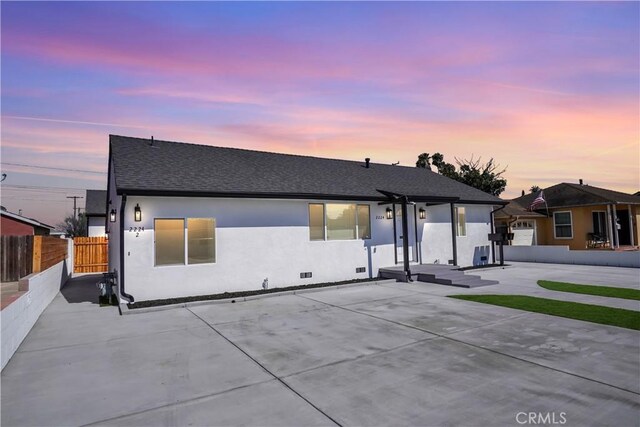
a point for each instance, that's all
(442, 274)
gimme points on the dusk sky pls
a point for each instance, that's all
(549, 90)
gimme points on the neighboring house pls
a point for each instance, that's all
(515, 218)
(579, 216)
(192, 219)
(12, 224)
(96, 212)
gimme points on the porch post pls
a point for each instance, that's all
(630, 225)
(454, 242)
(615, 226)
(609, 227)
(395, 234)
(405, 239)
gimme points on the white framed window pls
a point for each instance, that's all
(562, 225)
(339, 221)
(175, 244)
(461, 221)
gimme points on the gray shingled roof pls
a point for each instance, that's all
(96, 203)
(515, 209)
(188, 169)
(567, 194)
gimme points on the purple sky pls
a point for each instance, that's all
(550, 90)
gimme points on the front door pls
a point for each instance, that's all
(623, 228)
(411, 232)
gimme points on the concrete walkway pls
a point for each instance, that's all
(366, 355)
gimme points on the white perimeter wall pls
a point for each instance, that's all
(437, 245)
(19, 317)
(563, 255)
(259, 239)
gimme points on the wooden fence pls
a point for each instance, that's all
(91, 255)
(48, 251)
(16, 260)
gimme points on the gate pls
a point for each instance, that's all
(90, 255)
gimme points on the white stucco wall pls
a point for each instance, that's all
(19, 317)
(95, 227)
(259, 239)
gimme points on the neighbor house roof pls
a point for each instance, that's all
(146, 167)
(25, 220)
(96, 203)
(516, 209)
(569, 195)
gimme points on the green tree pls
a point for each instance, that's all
(74, 227)
(423, 161)
(486, 177)
(534, 189)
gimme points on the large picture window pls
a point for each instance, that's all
(201, 243)
(461, 221)
(169, 235)
(563, 228)
(339, 221)
(170, 241)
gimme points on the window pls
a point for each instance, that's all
(170, 241)
(461, 221)
(562, 225)
(316, 221)
(364, 222)
(201, 240)
(599, 223)
(169, 235)
(341, 221)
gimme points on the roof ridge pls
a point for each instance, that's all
(263, 152)
(581, 188)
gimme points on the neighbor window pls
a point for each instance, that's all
(169, 235)
(341, 221)
(461, 221)
(316, 221)
(562, 225)
(599, 223)
(201, 240)
(364, 222)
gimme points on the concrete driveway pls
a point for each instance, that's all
(392, 354)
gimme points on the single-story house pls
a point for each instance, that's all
(96, 213)
(12, 224)
(187, 219)
(576, 215)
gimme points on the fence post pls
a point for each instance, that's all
(37, 253)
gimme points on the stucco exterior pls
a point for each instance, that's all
(258, 239)
(95, 226)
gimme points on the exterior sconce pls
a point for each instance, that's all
(137, 213)
(389, 213)
(423, 213)
(112, 215)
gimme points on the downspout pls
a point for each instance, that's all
(493, 230)
(454, 243)
(122, 292)
(405, 239)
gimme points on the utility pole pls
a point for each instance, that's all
(75, 198)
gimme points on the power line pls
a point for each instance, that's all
(37, 187)
(52, 168)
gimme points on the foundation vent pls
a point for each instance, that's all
(305, 275)
(361, 269)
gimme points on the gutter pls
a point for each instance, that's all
(122, 292)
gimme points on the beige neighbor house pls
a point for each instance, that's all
(576, 215)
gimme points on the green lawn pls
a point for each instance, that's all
(603, 291)
(573, 310)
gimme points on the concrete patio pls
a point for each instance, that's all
(395, 354)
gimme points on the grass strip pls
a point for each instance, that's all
(603, 291)
(573, 310)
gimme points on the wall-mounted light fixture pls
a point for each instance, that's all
(112, 215)
(137, 213)
(423, 213)
(389, 213)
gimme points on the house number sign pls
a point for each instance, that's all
(136, 230)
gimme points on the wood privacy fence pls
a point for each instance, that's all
(23, 255)
(91, 255)
(16, 258)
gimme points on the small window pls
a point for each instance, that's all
(461, 221)
(364, 222)
(562, 225)
(201, 243)
(316, 221)
(169, 241)
(341, 221)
